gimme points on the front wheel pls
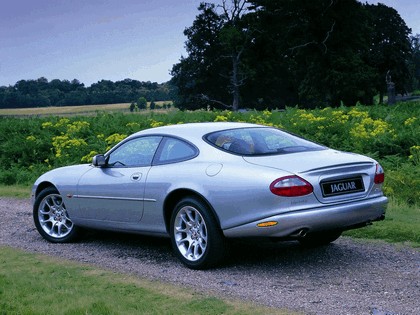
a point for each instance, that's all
(51, 218)
(196, 238)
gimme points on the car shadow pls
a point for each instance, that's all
(247, 252)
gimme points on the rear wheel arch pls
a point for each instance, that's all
(176, 196)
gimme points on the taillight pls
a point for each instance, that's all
(379, 175)
(291, 186)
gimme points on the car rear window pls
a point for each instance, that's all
(259, 141)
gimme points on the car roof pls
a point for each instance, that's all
(194, 130)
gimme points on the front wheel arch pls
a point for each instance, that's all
(42, 186)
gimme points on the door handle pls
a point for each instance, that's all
(136, 177)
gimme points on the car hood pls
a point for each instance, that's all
(304, 162)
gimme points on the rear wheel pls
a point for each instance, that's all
(196, 238)
(51, 217)
(320, 238)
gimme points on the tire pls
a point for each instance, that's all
(320, 238)
(51, 218)
(195, 235)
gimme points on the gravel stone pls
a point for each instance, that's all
(346, 277)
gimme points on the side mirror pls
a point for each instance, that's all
(99, 160)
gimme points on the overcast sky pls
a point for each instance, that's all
(90, 40)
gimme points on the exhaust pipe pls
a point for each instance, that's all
(300, 233)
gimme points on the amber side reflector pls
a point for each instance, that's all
(267, 224)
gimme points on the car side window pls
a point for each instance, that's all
(135, 152)
(175, 150)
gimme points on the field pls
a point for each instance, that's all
(32, 145)
(68, 110)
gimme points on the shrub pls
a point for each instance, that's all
(29, 147)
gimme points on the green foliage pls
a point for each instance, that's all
(142, 103)
(31, 284)
(29, 147)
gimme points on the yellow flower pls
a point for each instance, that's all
(155, 123)
(62, 122)
(47, 124)
(311, 117)
(410, 121)
(30, 138)
(115, 138)
(77, 126)
(64, 143)
(359, 131)
(267, 113)
(339, 116)
(88, 157)
(221, 118)
(359, 114)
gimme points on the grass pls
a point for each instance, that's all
(69, 110)
(34, 284)
(15, 191)
(401, 225)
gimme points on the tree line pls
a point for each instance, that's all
(42, 93)
(274, 53)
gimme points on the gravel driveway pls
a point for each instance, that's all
(347, 277)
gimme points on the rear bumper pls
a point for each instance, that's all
(336, 217)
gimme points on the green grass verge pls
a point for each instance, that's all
(401, 225)
(35, 284)
(15, 191)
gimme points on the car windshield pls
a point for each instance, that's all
(260, 141)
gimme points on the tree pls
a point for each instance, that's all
(133, 107)
(152, 105)
(415, 63)
(390, 47)
(197, 76)
(214, 71)
(142, 103)
(310, 53)
(235, 37)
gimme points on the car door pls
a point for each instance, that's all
(115, 192)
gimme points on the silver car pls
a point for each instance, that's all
(202, 183)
